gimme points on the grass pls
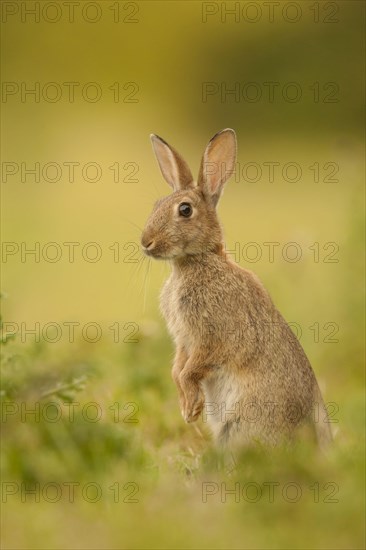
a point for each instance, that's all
(114, 466)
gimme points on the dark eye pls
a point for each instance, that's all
(185, 209)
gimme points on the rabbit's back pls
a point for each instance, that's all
(213, 303)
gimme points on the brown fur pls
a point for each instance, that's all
(237, 362)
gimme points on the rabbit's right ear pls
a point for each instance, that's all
(174, 168)
(218, 163)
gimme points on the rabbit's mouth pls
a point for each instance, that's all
(154, 252)
(159, 254)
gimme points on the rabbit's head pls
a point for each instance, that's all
(186, 222)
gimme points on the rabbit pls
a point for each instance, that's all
(237, 363)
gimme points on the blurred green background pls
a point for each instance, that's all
(152, 63)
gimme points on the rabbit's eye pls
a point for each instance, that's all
(185, 209)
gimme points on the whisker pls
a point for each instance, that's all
(134, 224)
(141, 290)
(140, 266)
(135, 271)
(146, 280)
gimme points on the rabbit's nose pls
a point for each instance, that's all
(147, 243)
(150, 245)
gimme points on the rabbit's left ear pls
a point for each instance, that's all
(173, 167)
(218, 163)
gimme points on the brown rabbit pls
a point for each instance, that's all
(237, 362)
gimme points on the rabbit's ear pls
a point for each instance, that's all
(174, 168)
(218, 163)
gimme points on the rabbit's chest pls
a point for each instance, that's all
(181, 311)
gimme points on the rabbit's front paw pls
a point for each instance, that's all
(193, 405)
